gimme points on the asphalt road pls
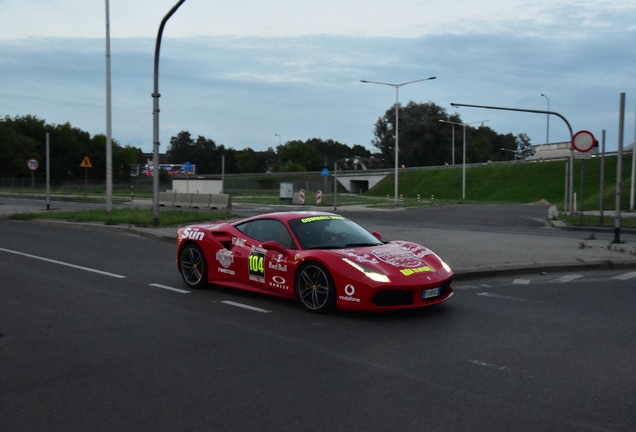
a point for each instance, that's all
(97, 333)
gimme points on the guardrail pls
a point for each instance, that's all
(194, 200)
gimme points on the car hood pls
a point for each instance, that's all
(396, 258)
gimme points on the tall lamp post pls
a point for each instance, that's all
(547, 128)
(278, 138)
(397, 87)
(464, 153)
(155, 117)
(464, 150)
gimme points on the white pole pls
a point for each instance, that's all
(397, 129)
(464, 166)
(619, 171)
(335, 186)
(453, 126)
(222, 173)
(631, 195)
(566, 206)
(48, 174)
(109, 148)
(602, 191)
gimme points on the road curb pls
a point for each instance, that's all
(465, 274)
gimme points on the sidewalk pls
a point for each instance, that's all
(478, 253)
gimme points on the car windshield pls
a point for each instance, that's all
(331, 232)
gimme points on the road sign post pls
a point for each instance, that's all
(33, 164)
(583, 141)
(86, 164)
(188, 168)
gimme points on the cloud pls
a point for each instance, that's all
(240, 91)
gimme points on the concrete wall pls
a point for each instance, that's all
(194, 185)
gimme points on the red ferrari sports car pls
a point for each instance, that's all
(322, 259)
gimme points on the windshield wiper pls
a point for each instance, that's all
(360, 244)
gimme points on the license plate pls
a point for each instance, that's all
(430, 293)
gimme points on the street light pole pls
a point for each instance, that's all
(155, 116)
(463, 151)
(109, 146)
(547, 129)
(397, 87)
(278, 138)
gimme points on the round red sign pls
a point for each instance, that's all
(583, 141)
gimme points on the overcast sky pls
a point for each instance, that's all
(239, 72)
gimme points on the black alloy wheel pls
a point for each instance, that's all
(193, 267)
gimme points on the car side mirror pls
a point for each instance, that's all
(377, 235)
(274, 245)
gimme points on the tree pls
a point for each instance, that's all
(425, 141)
(180, 149)
(422, 140)
(22, 138)
(299, 154)
(204, 153)
(15, 151)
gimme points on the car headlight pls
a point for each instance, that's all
(368, 272)
(446, 266)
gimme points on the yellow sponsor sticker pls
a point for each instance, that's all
(410, 271)
(319, 218)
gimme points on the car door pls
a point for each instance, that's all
(263, 269)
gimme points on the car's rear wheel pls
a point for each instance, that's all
(193, 267)
(315, 288)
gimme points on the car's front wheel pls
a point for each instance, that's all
(193, 267)
(315, 288)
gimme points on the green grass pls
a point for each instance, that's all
(310, 199)
(595, 221)
(511, 183)
(136, 217)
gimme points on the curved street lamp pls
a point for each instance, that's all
(397, 87)
(155, 117)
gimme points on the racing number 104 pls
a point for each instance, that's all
(257, 264)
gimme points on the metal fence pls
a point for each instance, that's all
(236, 184)
(93, 186)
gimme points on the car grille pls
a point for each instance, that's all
(405, 297)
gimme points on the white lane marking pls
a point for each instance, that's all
(169, 288)
(487, 294)
(63, 263)
(521, 281)
(625, 276)
(567, 278)
(244, 306)
(488, 365)
(467, 287)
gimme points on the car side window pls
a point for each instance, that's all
(267, 230)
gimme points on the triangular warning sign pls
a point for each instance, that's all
(86, 163)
